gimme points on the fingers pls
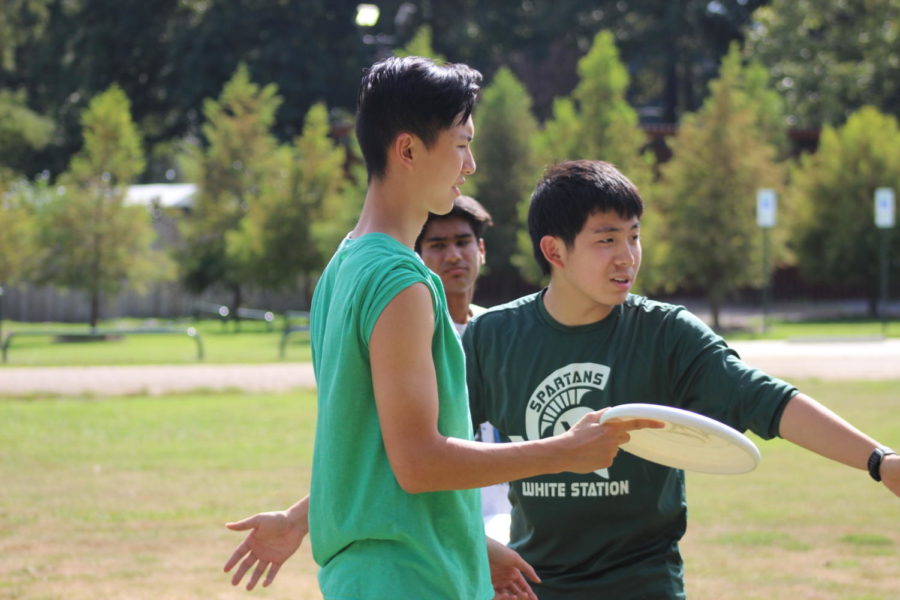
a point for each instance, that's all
(523, 590)
(257, 573)
(634, 424)
(528, 571)
(273, 571)
(243, 568)
(243, 525)
(237, 555)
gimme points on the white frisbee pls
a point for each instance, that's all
(689, 440)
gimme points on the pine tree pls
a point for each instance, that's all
(94, 241)
(296, 225)
(836, 239)
(721, 158)
(420, 45)
(233, 172)
(504, 132)
(597, 122)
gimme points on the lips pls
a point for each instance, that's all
(622, 281)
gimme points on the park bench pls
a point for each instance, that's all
(101, 334)
(291, 326)
(224, 314)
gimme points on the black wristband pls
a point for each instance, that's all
(875, 459)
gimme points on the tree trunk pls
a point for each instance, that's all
(714, 306)
(1, 313)
(95, 309)
(236, 300)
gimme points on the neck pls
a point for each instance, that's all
(571, 308)
(389, 209)
(458, 305)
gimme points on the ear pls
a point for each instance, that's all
(552, 248)
(481, 252)
(402, 149)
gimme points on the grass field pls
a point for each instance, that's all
(848, 328)
(254, 343)
(126, 497)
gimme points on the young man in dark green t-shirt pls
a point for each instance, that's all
(585, 343)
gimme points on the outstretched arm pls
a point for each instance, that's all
(807, 423)
(273, 538)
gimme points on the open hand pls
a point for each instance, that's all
(508, 572)
(273, 538)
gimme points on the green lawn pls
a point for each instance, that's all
(126, 497)
(253, 343)
(853, 328)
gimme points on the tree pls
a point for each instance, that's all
(233, 172)
(17, 248)
(95, 242)
(22, 131)
(828, 59)
(504, 132)
(20, 20)
(837, 242)
(597, 122)
(296, 225)
(420, 45)
(709, 191)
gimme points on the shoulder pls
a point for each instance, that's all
(376, 251)
(500, 315)
(641, 307)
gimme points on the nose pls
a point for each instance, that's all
(626, 257)
(454, 254)
(469, 163)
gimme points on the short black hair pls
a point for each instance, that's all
(464, 207)
(410, 94)
(569, 193)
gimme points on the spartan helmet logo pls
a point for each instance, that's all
(555, 405)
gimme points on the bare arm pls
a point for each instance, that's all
(807, 423)
(423, 459)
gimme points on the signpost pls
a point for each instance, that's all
(884, 220)
(766, 208)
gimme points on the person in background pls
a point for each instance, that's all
(452, 245)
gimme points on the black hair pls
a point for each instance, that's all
(464, 207)
(410, 94)
(569, 193)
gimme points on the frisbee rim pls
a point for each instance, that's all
(645, 443)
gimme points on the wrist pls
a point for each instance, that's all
(299, 513)
(876, 461)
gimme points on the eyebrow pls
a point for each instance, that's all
(442, 238)
(612, 229)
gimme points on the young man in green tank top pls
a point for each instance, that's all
(585, 343)
(393, 510)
